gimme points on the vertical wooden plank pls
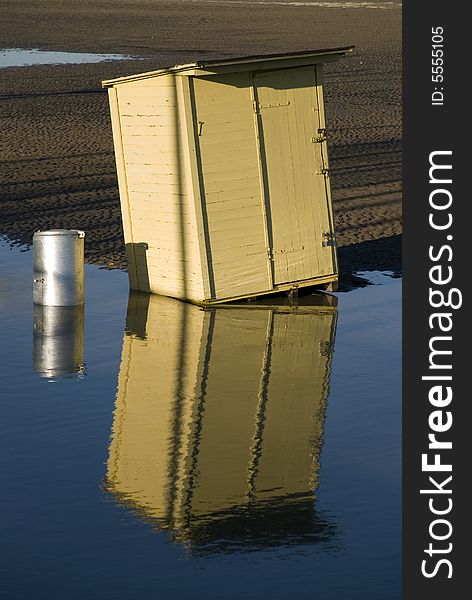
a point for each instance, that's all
(303, 122)
(263, 185)
(123, 188)
(188, 120)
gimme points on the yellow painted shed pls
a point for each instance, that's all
(223, 176)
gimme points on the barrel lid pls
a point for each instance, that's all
(73, 232)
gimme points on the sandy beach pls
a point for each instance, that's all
(57, 161)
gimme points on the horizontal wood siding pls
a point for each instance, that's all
(232, 201)
(160, 197)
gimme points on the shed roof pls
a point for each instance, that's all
(255, 62)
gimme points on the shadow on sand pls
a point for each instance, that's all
(384, 254)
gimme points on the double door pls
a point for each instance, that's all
(263, 176)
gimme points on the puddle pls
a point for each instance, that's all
(18, 57)
(200, 453)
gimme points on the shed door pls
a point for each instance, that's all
(232, 208)
(292, 164)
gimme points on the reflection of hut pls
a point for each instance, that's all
(223, 175)
(218, 421)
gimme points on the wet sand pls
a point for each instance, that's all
(57, 161)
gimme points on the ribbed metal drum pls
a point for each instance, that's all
(58, 341)
(58, 267)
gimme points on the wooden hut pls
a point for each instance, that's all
(223, 176)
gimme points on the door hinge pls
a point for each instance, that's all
(255, 106)
(320, 138)
(323, 171)
(329, 239)
(321, 135)
(270, 256)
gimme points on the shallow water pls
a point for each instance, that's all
(173, 452)
(21, 57)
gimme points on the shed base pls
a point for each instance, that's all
(328, 283)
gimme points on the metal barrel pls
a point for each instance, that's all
(58, 341)
(58, 267)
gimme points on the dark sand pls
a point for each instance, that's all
(57, 162)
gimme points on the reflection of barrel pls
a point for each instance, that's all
(58, 340)
(219, 418)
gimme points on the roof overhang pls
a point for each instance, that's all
(259, 62)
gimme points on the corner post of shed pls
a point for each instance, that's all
(123, 187)
(192, 165)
